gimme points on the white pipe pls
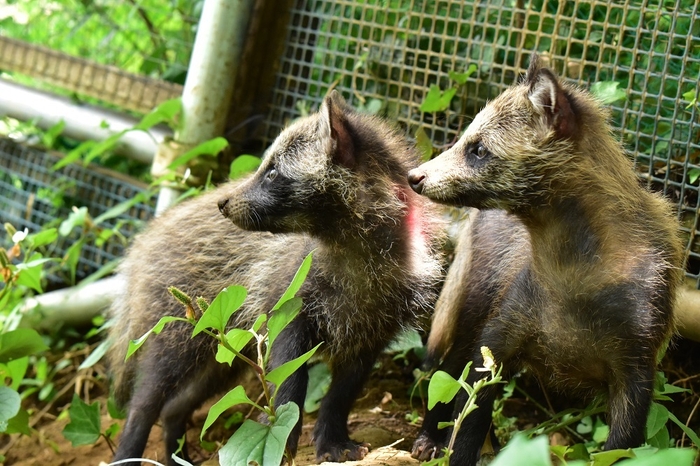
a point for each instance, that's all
(72, 306)
(82, 122)
(210, 77)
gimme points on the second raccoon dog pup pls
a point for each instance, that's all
(333, 182)
(575, 280)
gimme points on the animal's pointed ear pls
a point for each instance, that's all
(550, 100)
(335, 127)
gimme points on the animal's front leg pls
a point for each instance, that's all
(331, 432)
(291, 343)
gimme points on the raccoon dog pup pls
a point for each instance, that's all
(575, 279)
(333, 182)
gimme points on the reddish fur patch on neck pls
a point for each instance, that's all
(414, 221)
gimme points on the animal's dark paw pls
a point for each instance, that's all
(425, 448)
(341, 452)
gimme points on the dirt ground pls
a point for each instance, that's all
(379, 417)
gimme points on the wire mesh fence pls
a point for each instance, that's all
(384, 56)
(33, 196)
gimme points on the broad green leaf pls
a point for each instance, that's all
(607, 92)
(279, 374)
(404, 341)
(442, 388)
(20, 343)
(297, 281)
(210, 147)
(255, 443)
(114, 411)
(658, 416)
(424, 145)
(242, 165)
(228, 301)
(157, 328)
(19, 424)
(282, 317)
(237, 338)
(319, 381)
(10, 402)
(437, 100)
(606, 458)
(600, 431)
(30, 277)
(232, 398)
(75, 219)
(84, 425)
(523, 452)
(96, 354)
(461, 78)
(666, 457)
(43, 238)
(16, 370)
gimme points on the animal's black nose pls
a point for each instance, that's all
(416, 179)
(222, 204)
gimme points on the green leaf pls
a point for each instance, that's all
(210, 147)
(461, 78)
(43, 237)
(688, 431)
(232, 398)
(74, 154)
(157, 328)
(72, 256)
(115, 412)
(20, 343)
(19, 424)
(436, 100)
(690, 96)
(693, 175)
(424, 145)
(50, 135)
(319, 382)
(96, 354)
(228, 301)
(297, 281)
(668, 456)
(168, 111)
(607, 92)
(16, 370)
(442, 388)
(104, 146)
(75, 219)
(259, 444)
(122, 207)
(523, 452)
(658, 417)
(84, 425)
(242, 165)
(10, 402)
(237, 338)
(606, 458)
(279, 374)
(30, 277)
(282, 317)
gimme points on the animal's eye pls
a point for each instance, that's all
(481, 151)
(271, 175)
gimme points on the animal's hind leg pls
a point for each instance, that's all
(196, 389)
(144, 409)
(628, 406)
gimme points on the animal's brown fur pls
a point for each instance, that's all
(585, 295)
(333, 182)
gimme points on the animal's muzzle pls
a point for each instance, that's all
(416, 178)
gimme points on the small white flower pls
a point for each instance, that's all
(489, 362)
(20, 235)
